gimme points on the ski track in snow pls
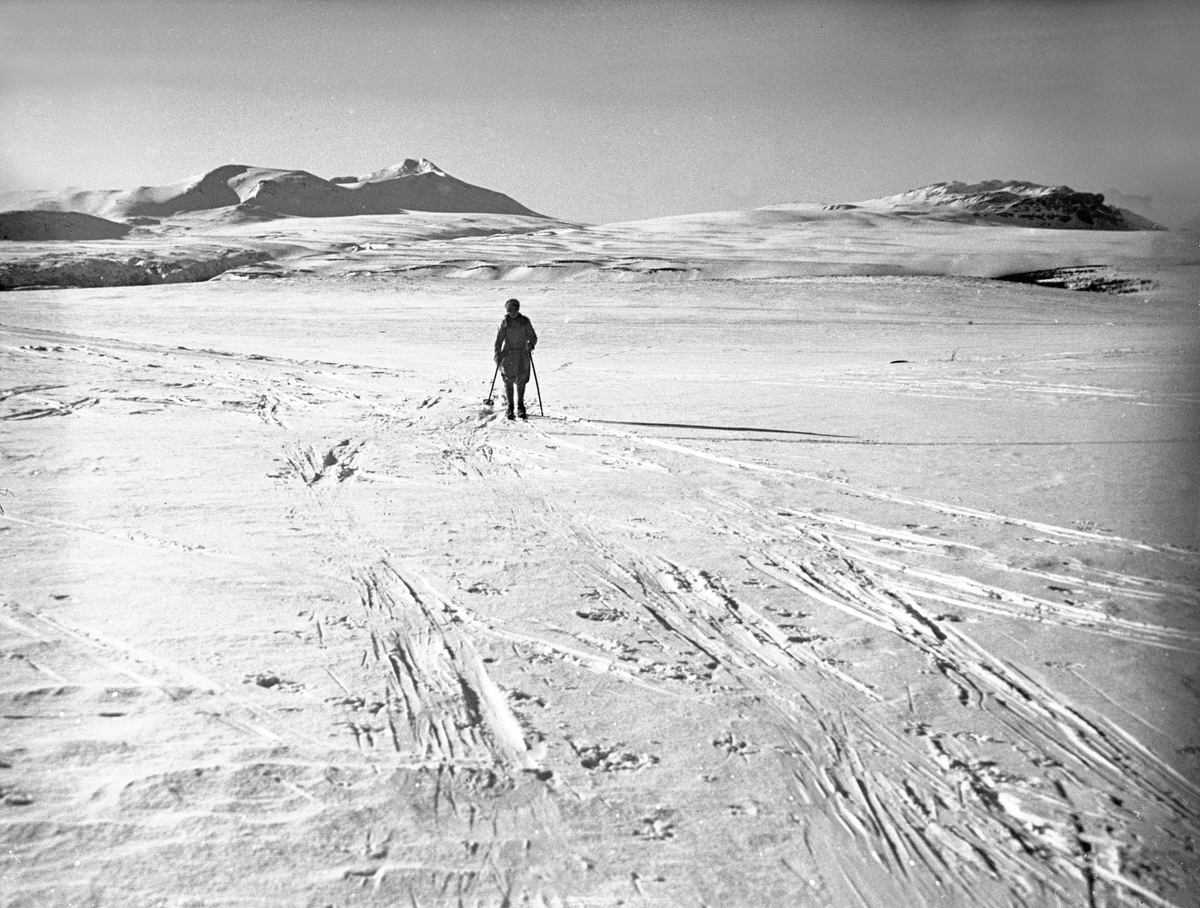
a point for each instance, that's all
(437, 682)
(940, 507)
(441, 711)
(69, 642)
(1088, 755)
(963, 820)
(1059, 825)
(1001, 389)
(438, 688)
(167, 376)
(1037, 832)
(943, 822)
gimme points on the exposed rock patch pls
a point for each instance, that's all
(1013, 201)
(117, 271)
(42, 226)
(1091, 278)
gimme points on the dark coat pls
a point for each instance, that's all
(514, 342)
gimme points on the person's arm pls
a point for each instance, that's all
(499, 343)
(532, 336)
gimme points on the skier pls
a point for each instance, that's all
(514, 343)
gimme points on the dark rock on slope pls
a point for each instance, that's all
(35, 226)
(1012, 202)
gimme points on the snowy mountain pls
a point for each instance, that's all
(1011, 201)
(414, 185)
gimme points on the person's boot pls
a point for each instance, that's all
(508, 401)
(521, 404)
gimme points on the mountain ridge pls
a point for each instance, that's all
(240, 193)
(413, 185)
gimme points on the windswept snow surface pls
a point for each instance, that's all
(834, 591)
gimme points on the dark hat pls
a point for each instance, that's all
(513, 304)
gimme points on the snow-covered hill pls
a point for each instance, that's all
(257, 192)
(1011, 201)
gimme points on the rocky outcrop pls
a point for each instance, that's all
(1089, 278)
(43, 226)
(128, 271)
(1013, 202)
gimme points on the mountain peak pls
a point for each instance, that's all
(410, 167)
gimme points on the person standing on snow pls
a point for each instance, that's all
(514, 343)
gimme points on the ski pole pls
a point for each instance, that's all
(488, 400)
(535, 383)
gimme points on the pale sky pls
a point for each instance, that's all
(602, 111)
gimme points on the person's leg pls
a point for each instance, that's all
(508, 397)
(521, 399)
